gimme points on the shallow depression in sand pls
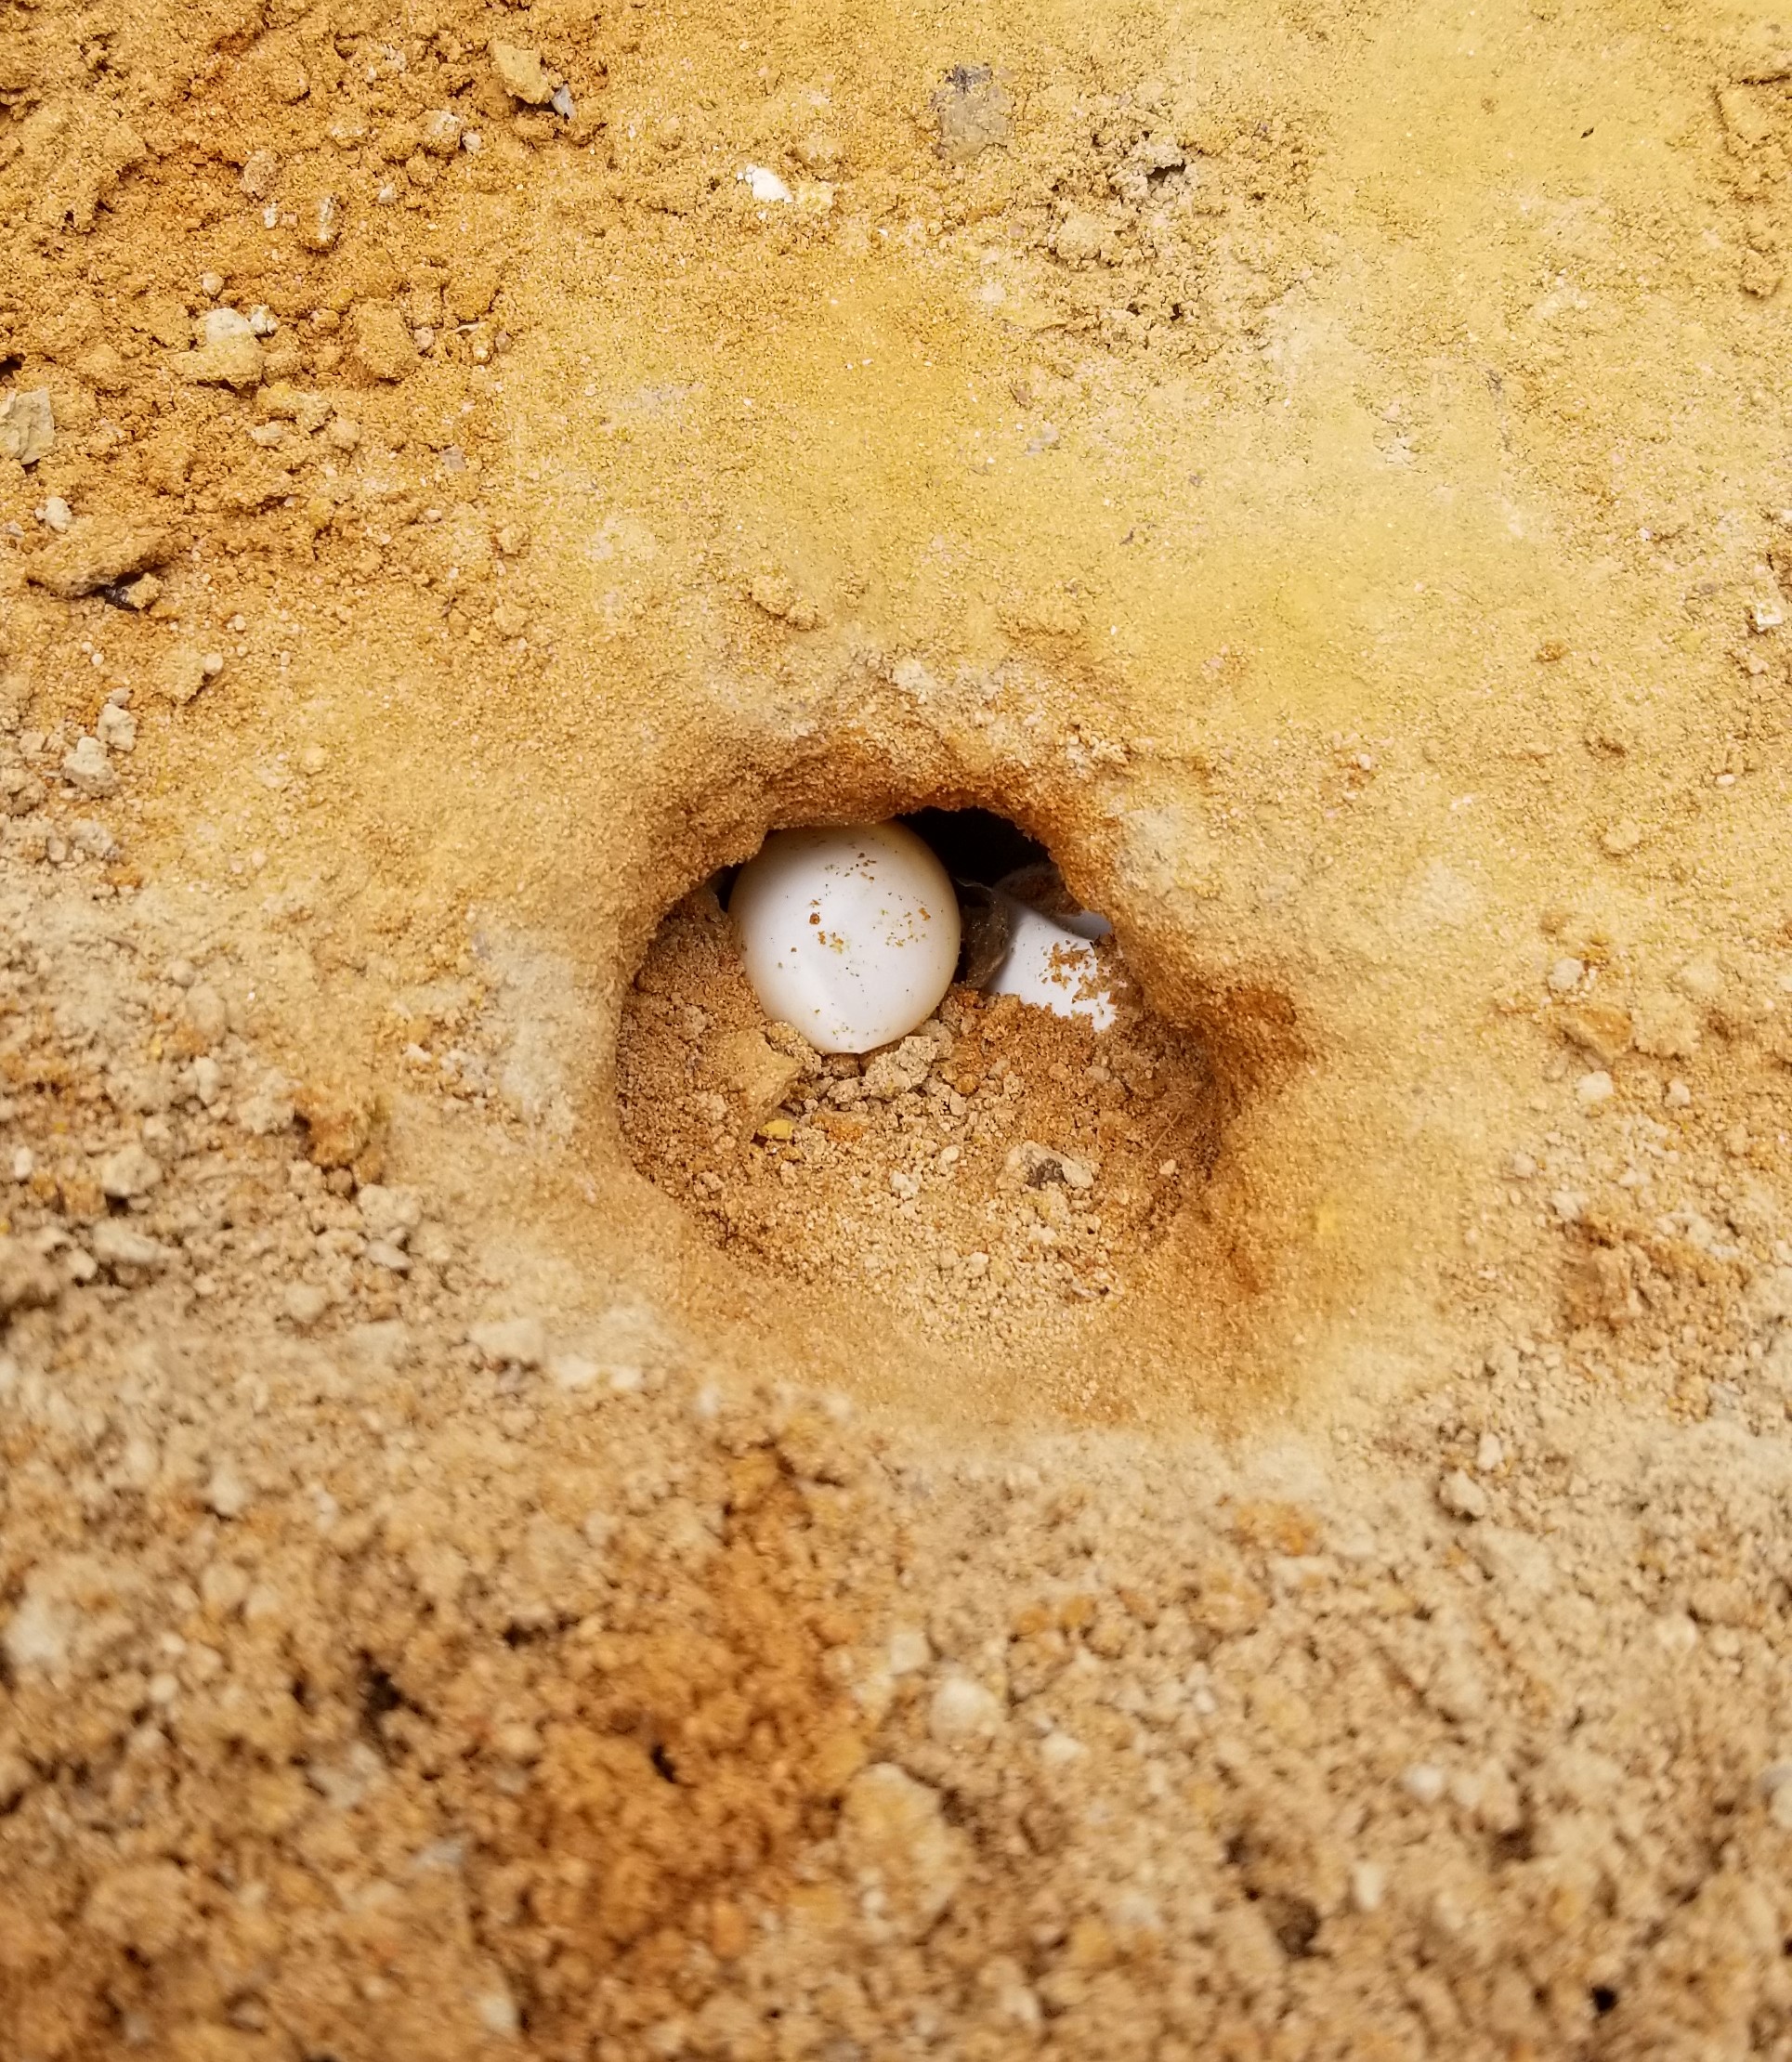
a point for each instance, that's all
(1000, 1171)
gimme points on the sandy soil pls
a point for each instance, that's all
(1320, 467)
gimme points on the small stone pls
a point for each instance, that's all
(96, 553)
(321, 224)
(562, 102)
(87, 767)
(1369, 1886)
(1566, 974)
(1593, 1090)
(55, 515)
(115, 1245)
(143, 592)
(498, 2014)
(304, 1303)
(962, 1709)
(514, 1341)
(128, 1173)
(522, 74)
(1461, 1496)
(260, 173)
(211, 284)
(116, 728)
(769, 191)
(1618, 839)
(1490, 1453)
(1677, 1095)
(1423, 1782)
(263, 321)
(227, 1494)
(27, 424)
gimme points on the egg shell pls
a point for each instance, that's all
(851, 935)
(1052, 966)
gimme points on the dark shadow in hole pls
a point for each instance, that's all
(976, 844)
(1605, 1998)
(663, 1762)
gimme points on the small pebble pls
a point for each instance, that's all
(1593, 1090)
(211, 284)
(764, 184)
(1461, 1496)
(1423, 1782)
(56, 514)
(1490, 1453)
(1565, 975)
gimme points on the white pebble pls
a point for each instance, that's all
(1490, 1453)
(962, 1709)
(763, 183)
(851, 936)
(1566, 973)
(1461, 1496)
(1593, 1090)
(1423, 1782)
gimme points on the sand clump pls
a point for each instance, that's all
(1324, 465)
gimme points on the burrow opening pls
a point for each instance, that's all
(999, 1170)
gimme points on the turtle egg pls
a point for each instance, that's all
(1050, 963)
(849, 936)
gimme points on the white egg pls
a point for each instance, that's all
(1052, 965)
(851, 936)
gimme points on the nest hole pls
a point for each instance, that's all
(1003, 1171)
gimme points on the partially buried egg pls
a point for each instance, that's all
(850, 936)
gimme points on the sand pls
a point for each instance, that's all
(1321, 469)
